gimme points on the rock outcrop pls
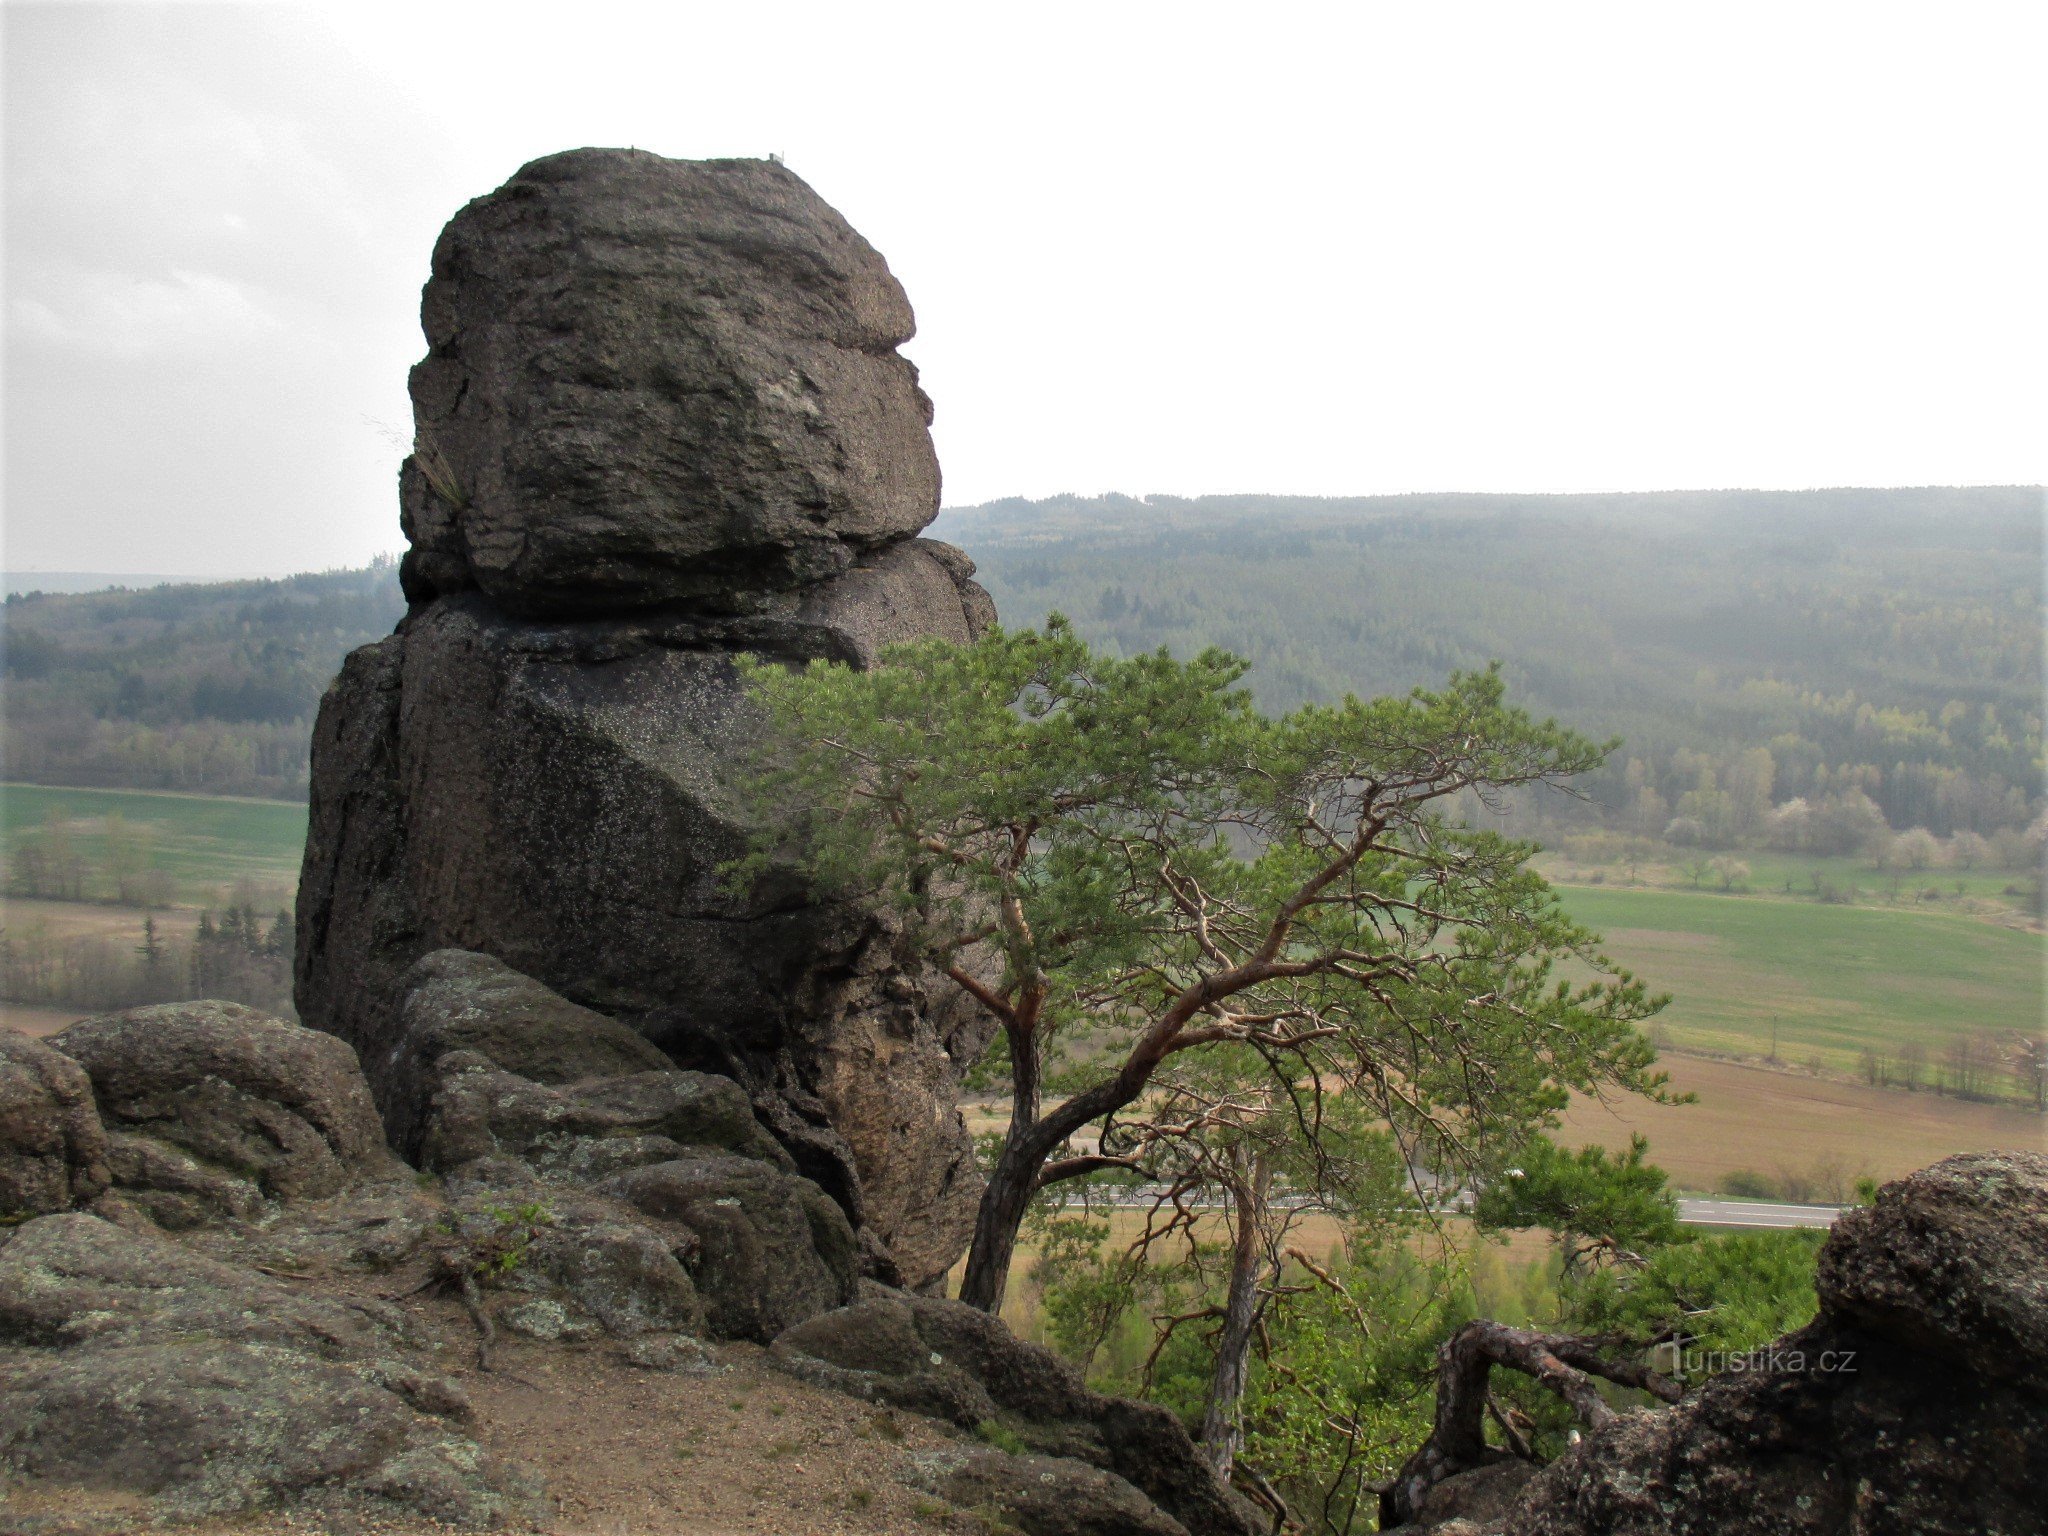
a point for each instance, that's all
(668, 1207)
(213, 1109)
(455, 1000)
(1917, 1401)
(132, 1367)
(1093, 1464)
(661, 421)
(148, 1351)
(53, 1149)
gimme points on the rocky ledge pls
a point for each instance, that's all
(204, 1244)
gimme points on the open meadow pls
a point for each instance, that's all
(119, 897)
(204, 845)
(1814, 1137)
(1825, 980)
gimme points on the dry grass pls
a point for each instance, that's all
(1754, 1118)
(81, 919)
(31, 1020)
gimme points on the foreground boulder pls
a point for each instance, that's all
(584, 1131)
(456, 1000)
(214, 1110)
(53, 1150)
(768, 1249)
(654, 1200)
(661, 421)
(1917, 1401)
(1041, 1495)
(130, 1368)
(951, 1362)
(1952, 1263)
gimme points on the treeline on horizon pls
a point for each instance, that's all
(208, 688)
(1798, 667)
(1805, 668)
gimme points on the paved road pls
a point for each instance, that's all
(1694, 1213)
(1754, 1213)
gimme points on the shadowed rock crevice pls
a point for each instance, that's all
(661, 421)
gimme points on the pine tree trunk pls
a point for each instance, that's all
(1003, 1204)
(1223, 1420)
(1010, 1185)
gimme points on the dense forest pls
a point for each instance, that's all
(209, 688)
(1799, 667)
(1804, 668)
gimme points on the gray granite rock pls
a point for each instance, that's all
(53, 1150)
(654, 380)
(214, 1109)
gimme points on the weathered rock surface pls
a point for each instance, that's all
(1916, 1402)
(1042, 1495)
(456, 1000)
(213, 1109)
(768, 1249)
(950, 1362)
(668, 424)
(591, 1270)
(586, 1131)
(53, 1150)
(650, 380)
(669, 1208)
(1952, 1262)
(131, 1367)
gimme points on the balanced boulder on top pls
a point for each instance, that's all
(655, 380)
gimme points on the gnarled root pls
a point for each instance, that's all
(1564, 1363)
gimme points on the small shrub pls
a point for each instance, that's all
(1746, 1184)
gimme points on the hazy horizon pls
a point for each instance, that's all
(1342, 250)
(15, 579)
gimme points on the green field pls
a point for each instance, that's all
(1804, 875)
(1833, 978)
(207, 846)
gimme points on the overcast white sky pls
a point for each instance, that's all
(1295, 248)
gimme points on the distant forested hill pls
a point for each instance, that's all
(209, 688)
(1885, 644)
(1865, 654)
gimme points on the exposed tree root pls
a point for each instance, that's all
(473, 1304)
(1563, 1363)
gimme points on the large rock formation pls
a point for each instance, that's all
(652, 380)
(661, 420)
